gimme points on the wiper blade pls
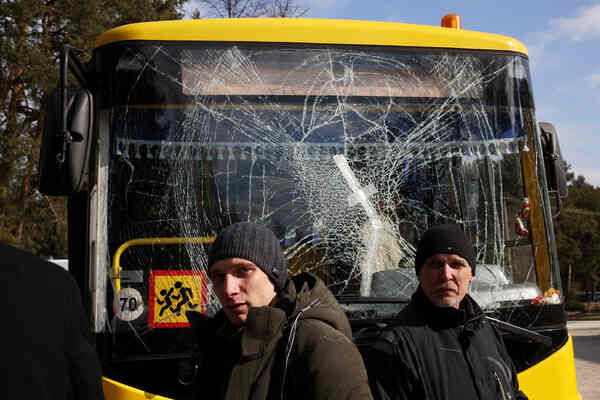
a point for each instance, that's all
(371, 300)
(529, 334)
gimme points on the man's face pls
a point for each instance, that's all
(240, 284)
(445, 279)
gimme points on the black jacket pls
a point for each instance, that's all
(251, 363)
(439, 353)
(46, 353)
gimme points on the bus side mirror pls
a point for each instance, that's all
(64, 156)
(556, 173)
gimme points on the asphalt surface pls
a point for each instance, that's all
(586, 346)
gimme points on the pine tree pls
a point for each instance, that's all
(32, 32)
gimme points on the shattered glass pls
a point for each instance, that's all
(347, 153)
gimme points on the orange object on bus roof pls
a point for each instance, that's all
(451, 21)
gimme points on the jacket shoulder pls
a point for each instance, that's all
(320, 343)
(21, 267)
(327, 364)
(313, 331)
(392, 338)
(401, 332)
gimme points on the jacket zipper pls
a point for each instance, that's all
(501, 387)
(290, 344)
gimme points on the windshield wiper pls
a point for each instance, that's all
(517, 330)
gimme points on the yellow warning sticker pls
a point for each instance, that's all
(172, 293)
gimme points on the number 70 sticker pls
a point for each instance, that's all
(128, 304)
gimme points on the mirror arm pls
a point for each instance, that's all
(76, 67)
(554, 157)
(558, 207)
(64, 133)
(67, 64)
(554, 164)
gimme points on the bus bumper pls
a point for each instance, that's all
(552, 378)
(114, 390)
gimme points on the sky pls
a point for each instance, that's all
(563, 40)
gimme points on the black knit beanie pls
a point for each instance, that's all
(252, 242)
(448, 239)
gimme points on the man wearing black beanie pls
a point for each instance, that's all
(440, 346)
(274, 338)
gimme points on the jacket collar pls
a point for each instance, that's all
(446, 317)
(264, 326)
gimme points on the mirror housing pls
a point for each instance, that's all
(556, 173)
(64, 154)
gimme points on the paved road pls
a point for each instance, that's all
(586, 345)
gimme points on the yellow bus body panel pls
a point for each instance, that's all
(553, 378)
(310, 30)
(536, 382)
(114, 390)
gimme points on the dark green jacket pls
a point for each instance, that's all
(250, 362)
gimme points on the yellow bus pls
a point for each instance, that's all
(347, 138)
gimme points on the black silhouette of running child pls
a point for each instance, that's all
(186, 295)
(166, 300)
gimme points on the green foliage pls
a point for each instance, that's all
(578, 232)
(31, 34)
(583, 195)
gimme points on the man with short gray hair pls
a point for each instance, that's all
(440, 347)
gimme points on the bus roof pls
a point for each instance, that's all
(308, 30)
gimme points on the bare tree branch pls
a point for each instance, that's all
(286, 8)
(248, 9)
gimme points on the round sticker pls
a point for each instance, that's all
(128, 304)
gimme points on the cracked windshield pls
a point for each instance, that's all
(347, 153)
